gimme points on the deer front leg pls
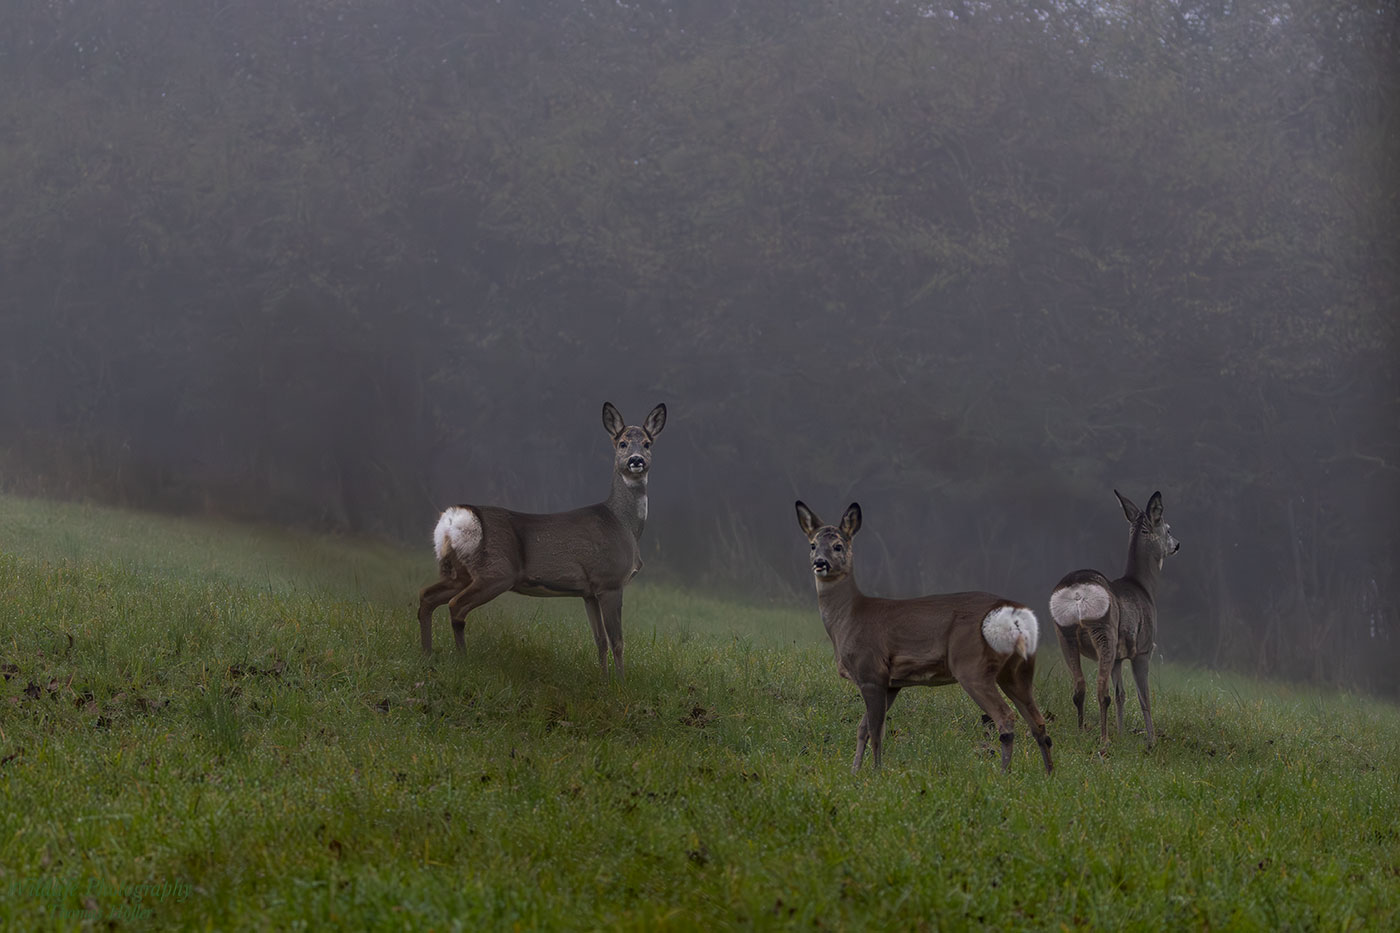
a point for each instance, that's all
(1140, 678)
(432, 596)
(863, 733)
(877, 702)
(610, 604)
(1069, 647)
(600, 635)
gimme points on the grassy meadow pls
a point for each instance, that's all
(218, 726)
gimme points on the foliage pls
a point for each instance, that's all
(973, 263)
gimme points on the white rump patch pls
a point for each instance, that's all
(1073, 604)
(458, 530)
(1011, 630)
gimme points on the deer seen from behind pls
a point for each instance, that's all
(591, 553)
(1111, 621)
(980, 641)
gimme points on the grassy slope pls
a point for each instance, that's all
(244, 711)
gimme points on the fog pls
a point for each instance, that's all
(972, 264)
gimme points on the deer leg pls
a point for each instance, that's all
(985, 694)
(877, 701)
(1119, 694)
(1140, 678)
(600, 636)
(1069, 647)
(432, 596)
(610, 604)
(1106, 646)
(863, 732)
(862, 737)
(1016, 682)
(478, 594)
(890, 695)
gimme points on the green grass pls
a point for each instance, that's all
(239, 718)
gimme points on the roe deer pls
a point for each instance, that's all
(1116, 620)
(592, 552)
(884, 645)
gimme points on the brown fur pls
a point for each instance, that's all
(590, 553)
(1127, 630)
(885, 645)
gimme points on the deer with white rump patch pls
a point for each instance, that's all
(977, 640)
(591, 552)
(1111, 621)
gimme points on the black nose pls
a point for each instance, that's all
(636, 462)
(821, 564)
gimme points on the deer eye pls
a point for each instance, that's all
(837, 548)
(646, 444)
(623, 445)
(814, 545)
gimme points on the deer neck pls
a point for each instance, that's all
(1143, 569)
(837, 599)
(628, 501)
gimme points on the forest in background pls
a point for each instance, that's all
(340, 263)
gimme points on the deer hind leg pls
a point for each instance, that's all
(985, 694)
(1069, 647)
(1140, 678)
(1119, 694)
(432, 596)
(610, 604)
(1106, 647)
(479, 593)
(1016, 682)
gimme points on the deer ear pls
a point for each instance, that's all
(850, 522)
(1130, 510)
(612, 420)
(807, 519)
(1154, 509)
(655, 421)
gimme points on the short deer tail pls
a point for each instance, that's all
(1078, 600)
(1010, 629)
(458, 532)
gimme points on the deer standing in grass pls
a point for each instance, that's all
(977, 640)
(1111, 621)
(591, 552)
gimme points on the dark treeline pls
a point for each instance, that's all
(975, 264)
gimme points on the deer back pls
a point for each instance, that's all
(922, 641)
(577, 553)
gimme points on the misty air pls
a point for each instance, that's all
(1042, 354)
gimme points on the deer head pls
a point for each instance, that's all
(831, 544)
(1148, 529)
(632, 445)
